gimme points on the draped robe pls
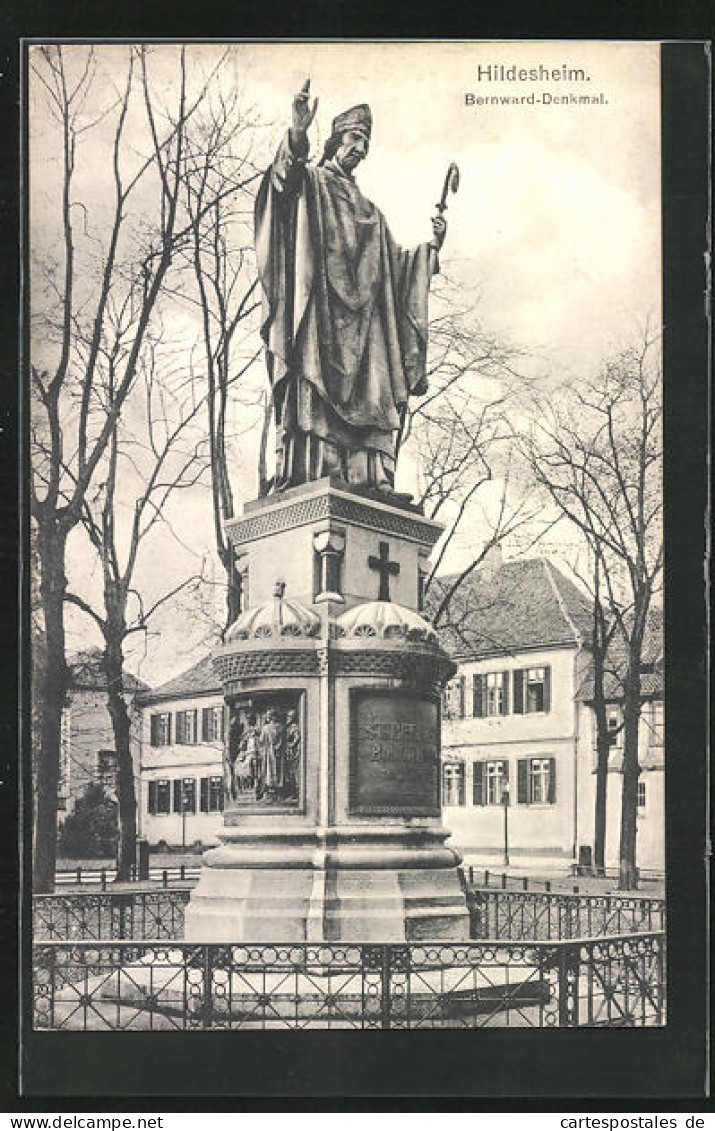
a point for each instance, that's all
(344, 322)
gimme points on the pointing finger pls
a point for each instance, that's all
(305, 89)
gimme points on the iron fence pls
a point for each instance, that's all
(155, 985)
(110, 915)
(518, 916)
(494, 914)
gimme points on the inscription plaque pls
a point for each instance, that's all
(394, 755)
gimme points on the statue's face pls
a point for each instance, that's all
(352, 150)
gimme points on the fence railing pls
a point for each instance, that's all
(155, 985)
(517, 916)
(494, 914)
(100, 877)
(110, 915)
(493, 878)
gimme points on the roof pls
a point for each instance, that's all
(651, 663)
(201, 679)
(87, 673)
(521, 605)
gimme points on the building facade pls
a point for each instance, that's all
(182, 739)
(87, 752)
(519, 730)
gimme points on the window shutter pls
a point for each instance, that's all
(519, 692)
(180, 727)
(154, 729)
(151, 800)
(522, 781)
(547, 689)
(190, 795)
(222, 713)
(552, 781)
(462, 696)
(462, 775)
(505, 779)
(478, 783)
(478, 689)
(177, 795)
(204, 795)
(205, 732)
(505, 699)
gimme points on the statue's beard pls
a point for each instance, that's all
(348, 162)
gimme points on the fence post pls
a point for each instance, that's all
(568, 966)
(165, 879)
(486, 877)
(208, 994)
(547, 885)
(79, 876)
(503, 880)
(103, 879)
(525, 883)
(143, 859)
(182, 872)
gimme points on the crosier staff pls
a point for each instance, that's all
(439, 224)
(439, 230)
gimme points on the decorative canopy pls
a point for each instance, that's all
(276, 618)
(384, 620)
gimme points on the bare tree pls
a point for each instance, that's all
(98, 286)
(462, 437)
(597, 452)
(222, 262)
(165, 458)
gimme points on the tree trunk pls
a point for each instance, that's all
(628, 873)
(603, 750)
(126, 792)
(50, 690)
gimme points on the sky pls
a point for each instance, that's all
(553, 235)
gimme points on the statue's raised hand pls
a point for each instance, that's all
(303, 113)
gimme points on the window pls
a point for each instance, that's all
(161, 729)
(490, 694)
(641, 795)
(185, 795)
(212, 724)
(186, 727)
(107, 768)
(490, 782)
(212, 794)
(453, 783)
(536, 781)
(613, 723)
(656, 725)
(159, 797)
(453, 700)
(532, 690)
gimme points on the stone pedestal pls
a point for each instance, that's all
(332, 827)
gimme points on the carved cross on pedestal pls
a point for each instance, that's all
(384, 567)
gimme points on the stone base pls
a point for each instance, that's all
(276, 905)
(329, 888)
